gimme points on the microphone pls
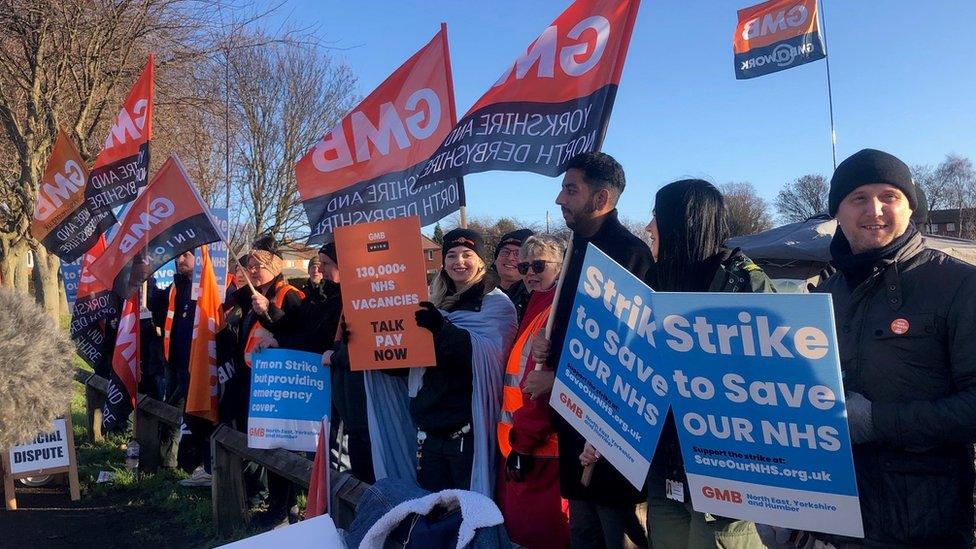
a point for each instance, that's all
(35, 369)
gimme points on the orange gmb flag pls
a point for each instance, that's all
(554, 102)
(122, 167)
(167, 219)
(62, 221)
(364, 168)
(201, 397)
(776, 35)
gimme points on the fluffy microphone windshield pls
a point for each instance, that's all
(35, 369)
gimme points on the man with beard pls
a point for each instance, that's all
(608, 512)
(174, 309)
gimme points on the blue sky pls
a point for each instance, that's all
(903, 75)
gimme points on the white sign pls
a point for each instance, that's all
(315, 532)
(46, 451)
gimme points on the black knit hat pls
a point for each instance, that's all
(266, 243)
(514, 238)
(866, 167)
(463, 237)
(330, 251)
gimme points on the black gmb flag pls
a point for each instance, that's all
(553, 103)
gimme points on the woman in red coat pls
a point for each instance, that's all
(528, 486)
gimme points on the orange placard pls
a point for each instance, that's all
(381, 266)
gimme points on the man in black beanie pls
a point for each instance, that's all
(906, 322)
(506, 267)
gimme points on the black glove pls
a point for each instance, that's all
(429, 317)
(517, 466)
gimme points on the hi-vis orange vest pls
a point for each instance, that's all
(512, 392)
(168, 325)
(259, 332)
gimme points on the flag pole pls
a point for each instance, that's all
(830, 95)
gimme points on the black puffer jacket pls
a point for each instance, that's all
(907, 342)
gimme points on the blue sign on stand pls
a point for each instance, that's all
(290, 394)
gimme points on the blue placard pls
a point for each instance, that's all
(758, 402)
(290, 394)
(164, 275)
(609, 383)
(70, 273)
(218, 256)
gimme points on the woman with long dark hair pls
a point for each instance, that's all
(687, 231)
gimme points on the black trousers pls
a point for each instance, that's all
(446, 463)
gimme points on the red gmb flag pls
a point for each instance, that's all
(364, 168)
(122, 166)
(318, 483)
(202, 391)
(124, 378)
(62, 222)
(167, 219)
(775, 36)
(554, 102)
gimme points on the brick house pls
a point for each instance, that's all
(954, 222)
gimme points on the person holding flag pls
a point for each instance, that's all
(265, 307)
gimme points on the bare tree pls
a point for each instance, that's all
(67, 64)
(746, 211)
(803, 198)
(285, 97)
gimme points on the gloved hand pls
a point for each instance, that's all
(859, 418)
(429, 317)
(517, 466)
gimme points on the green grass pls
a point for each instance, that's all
(175, 516)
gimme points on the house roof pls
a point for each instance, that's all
(428, 243)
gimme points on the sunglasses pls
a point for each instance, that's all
(537, 266)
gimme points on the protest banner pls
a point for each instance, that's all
(290, 393)
(122, 166)
(62, 222)
(167, 219)
(553, 103)
(384, 278)
(758, 404)
(775, 36)
(364, 169)
(609, 385)
(49, 453)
